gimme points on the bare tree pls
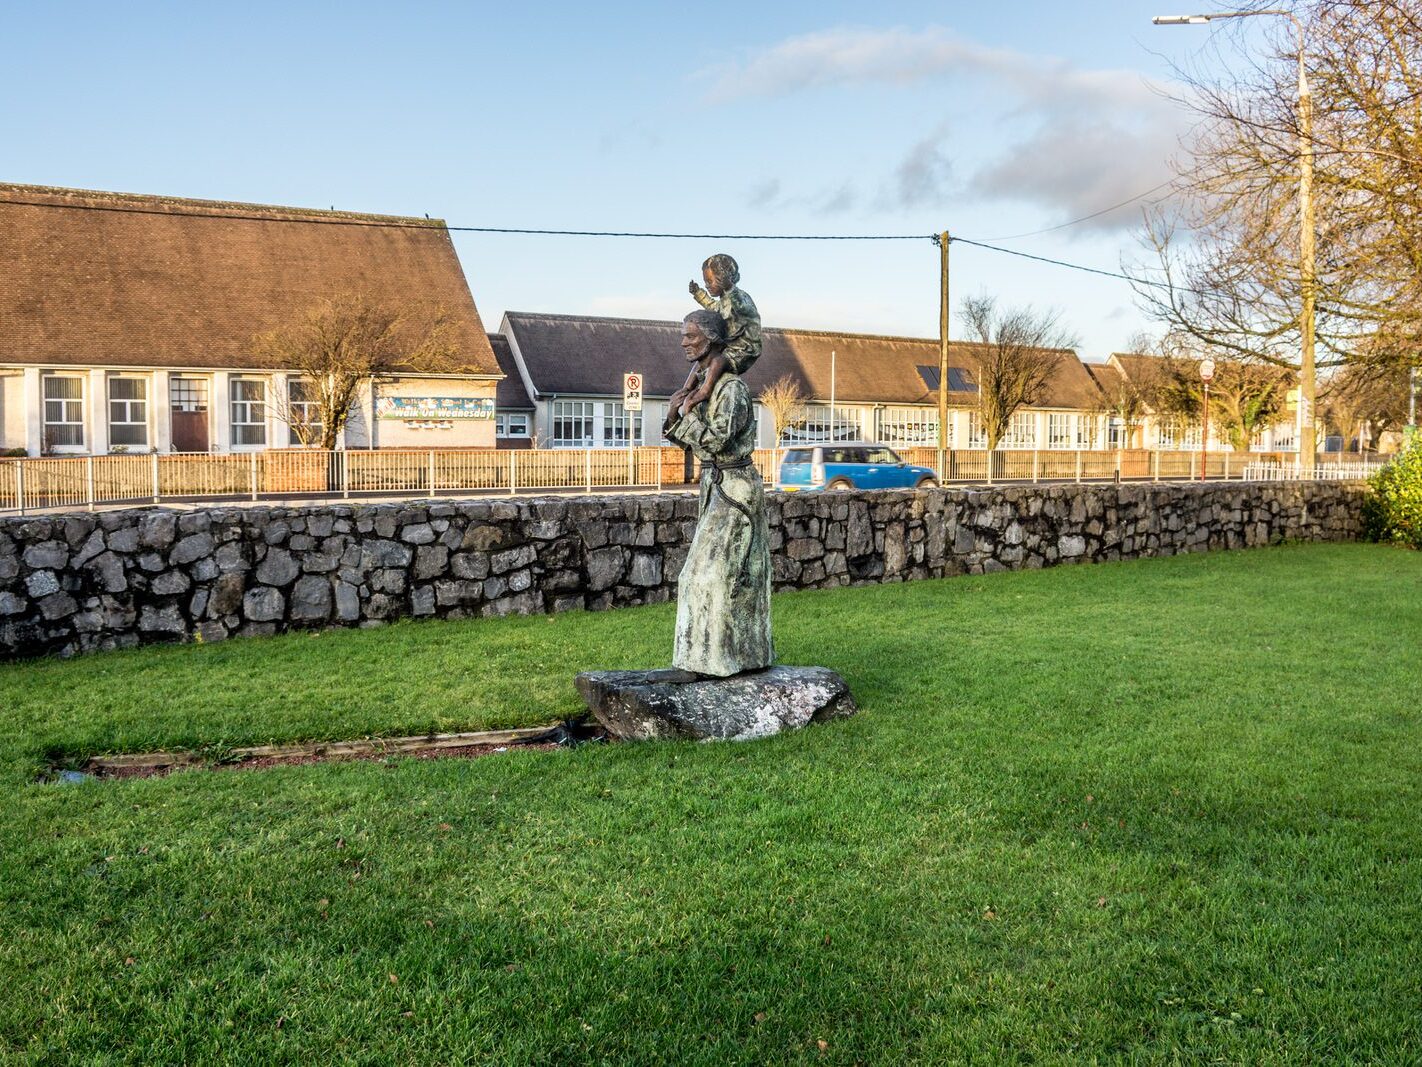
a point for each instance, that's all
(785, 403)
(1016, 353)
(1224, 264)
(1364, 401)
(342, 341)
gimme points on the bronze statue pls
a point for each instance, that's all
(723, 594)
(724, 296)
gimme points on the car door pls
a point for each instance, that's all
(887, 470)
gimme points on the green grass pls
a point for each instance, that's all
(1164, 811)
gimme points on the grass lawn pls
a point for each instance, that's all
(1158, 811)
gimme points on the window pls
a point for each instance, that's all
(1192, 436)
(1059, 430)
(249, 411)
(1167, 434)
(1088, 431)
(128, 412)
(615, 422)
(572, 424)
(303, 412)
(977, 436)
(511, 424)
(1285, 437)
(817, 426)
(883, 455)
(1115, 433)
(63, 411)
(911, 426)
(1022, 430)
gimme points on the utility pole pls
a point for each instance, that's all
(1307, 374)
(1308, 280)
(943, 242)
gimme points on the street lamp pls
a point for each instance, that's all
(1307, 277)
(1207, 375)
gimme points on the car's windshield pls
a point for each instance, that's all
(797, 455)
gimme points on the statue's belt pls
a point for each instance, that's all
(718, 472)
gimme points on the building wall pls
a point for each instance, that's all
(12, 410)
(22, 424)
(114, 579)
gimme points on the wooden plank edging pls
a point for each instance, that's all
(367, 747)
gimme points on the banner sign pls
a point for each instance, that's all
(434, 407)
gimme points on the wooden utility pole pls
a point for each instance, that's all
(943, 242)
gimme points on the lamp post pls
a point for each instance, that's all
(1307, 273)
(1207, 375)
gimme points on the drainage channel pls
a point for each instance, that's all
(567, 734)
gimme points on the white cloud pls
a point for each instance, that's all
(1087, 139)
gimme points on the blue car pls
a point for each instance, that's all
(851, 465)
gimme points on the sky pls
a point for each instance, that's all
(988, 120)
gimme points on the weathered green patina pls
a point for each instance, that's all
(723, 594)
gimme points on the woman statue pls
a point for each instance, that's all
(723, 594)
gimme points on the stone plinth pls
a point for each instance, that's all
(671, 704)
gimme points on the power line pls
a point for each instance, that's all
(413, 224)
(1086, 218)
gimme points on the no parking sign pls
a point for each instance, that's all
(632, 392)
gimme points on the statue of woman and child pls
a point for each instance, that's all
(725, 686)
(723, 595)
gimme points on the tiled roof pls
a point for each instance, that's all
(92, 278)
(575, 354)
(510, 395)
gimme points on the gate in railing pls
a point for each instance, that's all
(89, 481)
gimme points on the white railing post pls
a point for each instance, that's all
(1078, 466)
(659, 470)
(157, 485)
(1226, 466)
(587, 467)
(345, 473)
(631, 465)
(1036, 464)
(89, 481)
(20, 484)
(513, 471)
(1155, 466)
(253, 464)
(432, 472)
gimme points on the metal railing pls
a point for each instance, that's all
(96, 481)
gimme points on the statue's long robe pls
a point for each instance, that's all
(723, 594)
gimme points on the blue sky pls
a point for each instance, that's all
(988, 119)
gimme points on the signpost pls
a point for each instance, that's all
(632, 402)
(1207, 375)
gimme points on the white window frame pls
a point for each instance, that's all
(816, 425)
(1021, 431)
(910, 427)
(1115, 432)
(1088, 432)
(247, 408)
(1167, 434)
(506, 424)
(1285, 438)
(977, 436)
(304, 409)
(127, 405)
(613, 421)
(1059, 430)
(578, 415)
(71, 411)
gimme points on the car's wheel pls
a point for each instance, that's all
(926, 482)
(839, 485)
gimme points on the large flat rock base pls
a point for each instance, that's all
(671, 704)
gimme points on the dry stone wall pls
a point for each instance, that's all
(81, 582)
